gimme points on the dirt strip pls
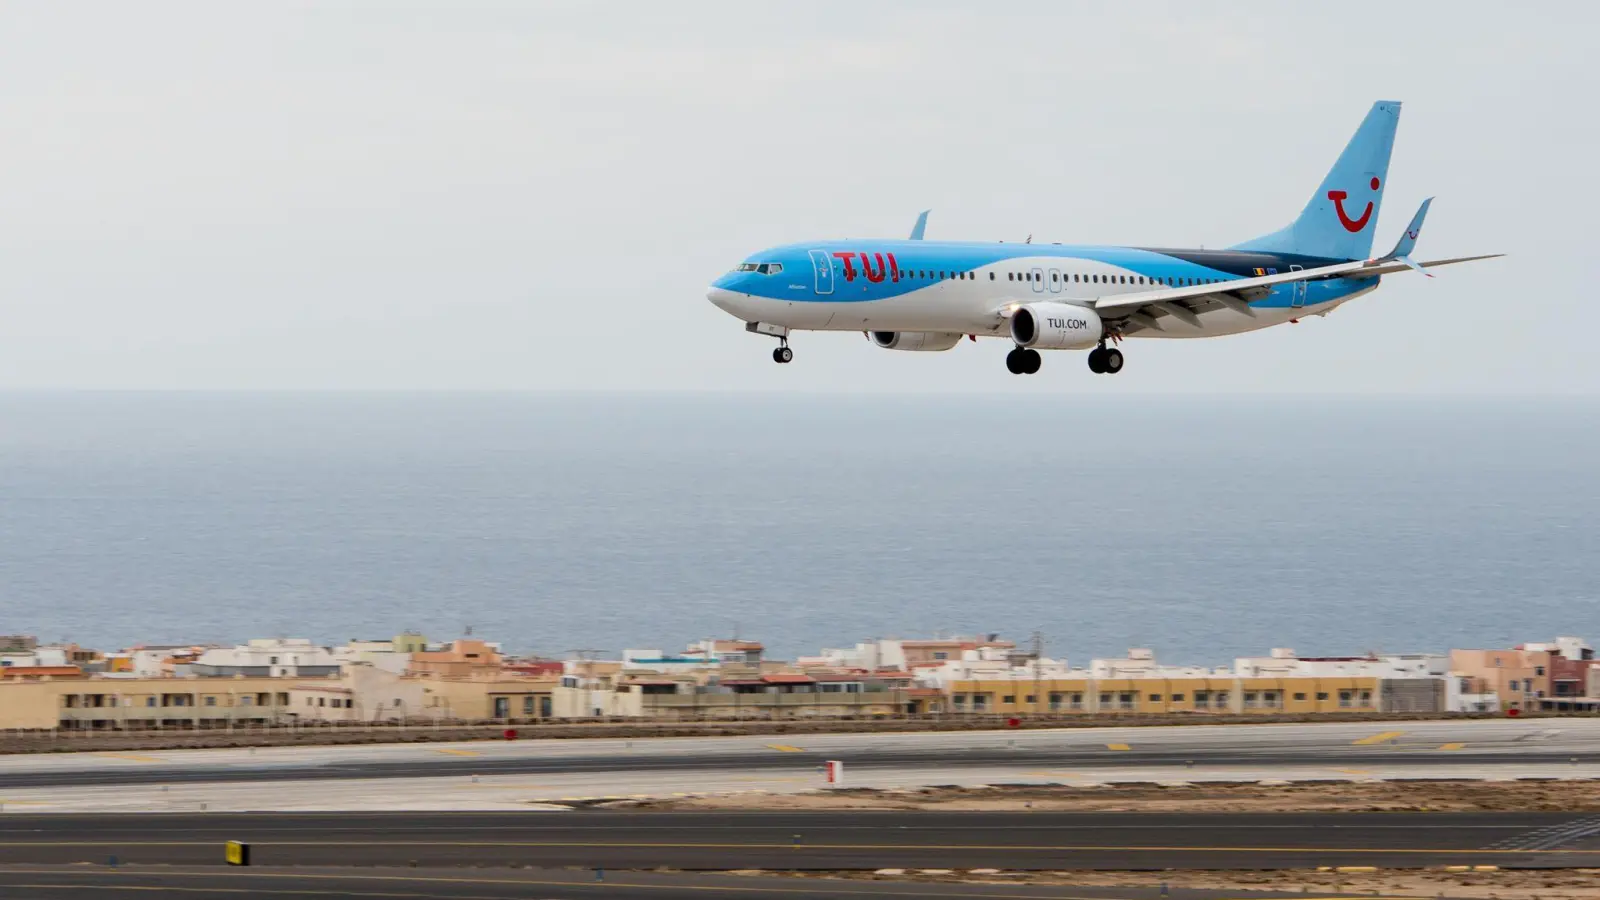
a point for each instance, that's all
(1562, 884)
(1376, 796)
(102, 741)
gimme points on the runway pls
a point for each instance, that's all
(491, 775)
(616, 839)
(79, 883)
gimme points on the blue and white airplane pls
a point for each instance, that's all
(925, 295)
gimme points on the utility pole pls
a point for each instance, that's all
(1038, 653)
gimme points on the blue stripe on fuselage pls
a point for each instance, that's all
(920, 264)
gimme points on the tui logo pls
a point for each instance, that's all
(1351, 225)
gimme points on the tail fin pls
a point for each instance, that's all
(1343, 213)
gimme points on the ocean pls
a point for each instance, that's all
(1203, 528)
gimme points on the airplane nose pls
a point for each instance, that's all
(721, 298)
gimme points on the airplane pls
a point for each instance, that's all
(921, 295)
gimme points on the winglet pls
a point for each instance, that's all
(1408, 240)
(921, 226)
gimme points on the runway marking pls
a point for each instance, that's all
(131, 756)
(1383, 738)
(1355, 771)
(785, 748)
(1454, 745)
(812, 890)
(1118, 747)
(456, 752)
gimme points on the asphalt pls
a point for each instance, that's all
(100, 883)
(1446, 747)
(718, 841)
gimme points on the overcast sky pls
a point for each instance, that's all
(535, 195)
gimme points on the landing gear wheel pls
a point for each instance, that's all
(1097, 360)
(1031, 362)
(1014, 361)
(782, 355)
(1112, 361)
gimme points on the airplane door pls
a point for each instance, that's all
(1038, 281)
(822, 265)
(1298, 298)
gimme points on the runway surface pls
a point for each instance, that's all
(101, 883)
(493, 775)
(616, 839)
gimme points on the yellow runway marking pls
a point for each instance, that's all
(456, 752)
(1383, 738)
(1355, 771)
(1118, 747)
(913, 890)
(131, 756)
(785, 748)
(1454, 746)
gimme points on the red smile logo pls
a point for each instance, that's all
(1351, 225)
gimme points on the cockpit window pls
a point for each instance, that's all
(746, 267)
(762, 268)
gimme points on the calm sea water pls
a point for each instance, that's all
(1204, 528)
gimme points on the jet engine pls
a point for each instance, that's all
(915, 340)
(1055, 326)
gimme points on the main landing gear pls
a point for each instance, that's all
(1105, 360)
(1022, 361)
(783, 354)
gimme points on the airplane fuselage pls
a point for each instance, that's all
(961, 287)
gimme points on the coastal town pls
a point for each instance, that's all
(276, 682)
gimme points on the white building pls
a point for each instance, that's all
(275, 657)
(378, 654)
(873, 656)
(1141, 663)
(1284, 663)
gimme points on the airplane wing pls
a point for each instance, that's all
(1183, 303)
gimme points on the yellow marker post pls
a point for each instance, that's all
(1118, 747)
(236, 853)
(1383, 738)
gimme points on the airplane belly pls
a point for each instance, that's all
(947, 310)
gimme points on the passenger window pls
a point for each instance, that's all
(1010, 276)
(991, 276)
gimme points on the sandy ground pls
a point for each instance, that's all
(1387, 796)
(1564, 884)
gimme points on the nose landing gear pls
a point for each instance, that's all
(1022, 361)
(781, 355)
(1105, 360)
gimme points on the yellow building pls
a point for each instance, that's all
(1161, 696)
(142, 703)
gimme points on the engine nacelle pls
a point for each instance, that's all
(915, 340)
(1055, 326)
